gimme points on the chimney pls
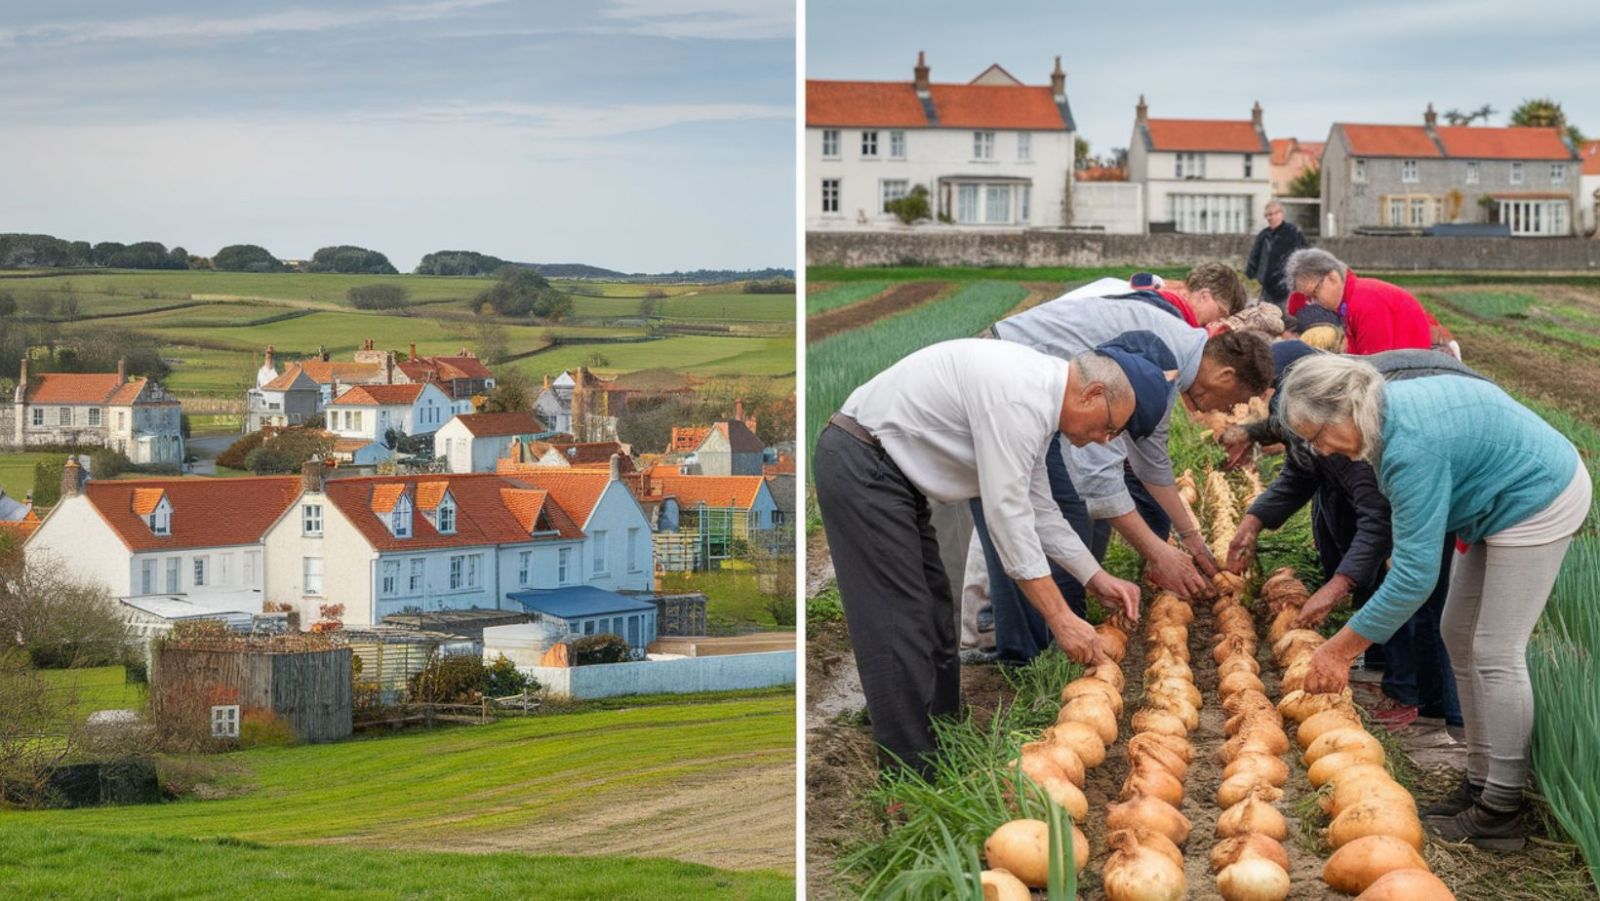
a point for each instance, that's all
(1058, 83)
(738, 409)
(269, 362)
(71, 478)
(616, 467)
(1255, 114)
(122, 371)
(1430, 118)
(388, 368)
(547, 381)
(1141, 113)
(22, 378)
(921, 73)
(313, 476)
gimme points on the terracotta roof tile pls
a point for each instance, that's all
(75, 387)
(146, 500)
(483, 515)
(1206, 135)
(324, 371)
(1101, 173)
(686, 438)
(714, 491)
(1589, 153)
(577, 491)
(498, 424)
(431, 494)
(385, 496)
(996, 106)
(1388, 140)
(1468, 142)
(205, 512)
(1281, 147)
(526, 504)
(130, 392)
(882, 103)
(379, 395)
(286, 381)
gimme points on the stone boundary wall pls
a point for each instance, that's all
(731, 672)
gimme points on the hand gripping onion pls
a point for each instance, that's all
(1152, 813)
(1252, 815)
(1407, 885)
(1022, 848)
(1231, 850)
(1092, 712)
(999, 885)
(1253, 879)
(1375, 817)
(1138, 872)
(1350, 740)
(1362, 861)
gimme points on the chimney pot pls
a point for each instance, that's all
(1255, 114)
(313, 476)
(921, 75)
(1058, 82)
(738, 409)
(71, 478)
(413, 350)
(1142, 111)
(122, 371)
(616, 467)
(1429, 117)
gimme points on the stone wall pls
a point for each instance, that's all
(950, 247)
(8, 424)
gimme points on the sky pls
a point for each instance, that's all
(639, 135)
(1309, 65)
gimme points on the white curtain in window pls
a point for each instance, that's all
(997, 208)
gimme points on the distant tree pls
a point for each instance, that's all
(287, 451)
(1544, 112)
(1307, 184)
(47, 480)
(178, 257)
(381, 296)
(1119, 158)
(351, 259)
(20, 251)
(106, 251)
(99, 350)
(647, 423)
(68, 307)
(1080, 153)
(512, 393)
(234, 456)
(492, 343)
(519, 291)
(1457, 117)
(60, 618)
(246, 258)
(459, 262)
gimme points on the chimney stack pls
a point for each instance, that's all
(122, 371)
(738, 409)
(71, 478)
(921, 72)
(322, 352)
(1430, 118)
(1141, 113)
(1058, 83)
(547, 381)
(413, 350)
(313, 476)
(616, 467)
(1255, 114)
(270, 364)
(22, 378)
(388, 368)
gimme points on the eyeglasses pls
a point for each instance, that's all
(1111, 430)
(1316, 286)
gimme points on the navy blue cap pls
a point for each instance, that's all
(1313, 314)
(1285, 354)
(1145, 359)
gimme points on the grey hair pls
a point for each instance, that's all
(1272, 205)
(1308, 264)
(1097, 367)
(1328, 388)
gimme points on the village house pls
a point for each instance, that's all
(472, 442)
(993, 152)
(1403, 179)
(305, 388)
(1201, 176)
(461, 377)
(287, 399)
(571, 454)
(1589, 183)
(135, 416)
(617, 554)
(363, 417)
(1292, 158)
(730, 448)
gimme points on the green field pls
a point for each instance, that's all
(16, 472)
(834, 296)
(169, 286)
(698, 354)
(735, 599)
(730, 308)
(94, 688)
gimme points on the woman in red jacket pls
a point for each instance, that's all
(1377, 316)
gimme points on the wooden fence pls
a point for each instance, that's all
(310, 690)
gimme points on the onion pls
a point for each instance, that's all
(1061, 757)
(1252, 742)
(1082, 740)
(1237, 787)
(1375, 818)
(1067, 796)
(1253, 814)
(1153, 779)
(1231, 850)
(1235, 616)
(1407, 885)
(1352, 739)
(1000, 885)
(1094, 713)
(1326, 721)
(1323, 771)
(1227, 582)
(1359, 773)
(1152, 813)
(1022, 848)
(1174, 639)
(1379, 786)
(1113, 640)
(1139, 873)
(1293, 643)
(1253, 879)
(1156, 755)
(1233, 683)
(1282, 624)
(1362, 861)
(1237, 663)
(1224, 602)
(1108, 674)
(1250, 718)
(1176, 744)
(1078, 688)
(1149, 720)
(1300, 706)
(1149, 838)
(1233, 644)
(1183, 688)
(1268, 767)
(1249, 700)
(1175, 705)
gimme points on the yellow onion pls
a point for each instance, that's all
(1170, 606)
(1136, 872)
(1239, 786)
(1232, 850)
(1092, 712)
(1238, 663)
(1149, 838)
(1294, 675)
(1407, 885)
(1078, 688)
(1176, 744)
(1225, 602)
(1256, 740)
(1250, 719)
(1022, 848)
(1174, 639)
(1152, 813)
(1108, 674)
(1366, 786)
(1253, 879)
(1183, 688)
(1228, 582)
(1246, 700)
(1253, 814)
(1151, 720)
(1326, 721)
(1323, 771)
(1293, 643)
(1282, 624)
(1236, 682)
(1157, 755)
(1266, 766)
(1362, 861)
(1067, 796)
(1301, 706)
(1167, 666)
(1375, 817)
(1150, 778)
(1083, 741)
(1113, 640)
(1000, 885)
(1233, 644)
(1175, 705)
(1061, 757)
(1351, 740)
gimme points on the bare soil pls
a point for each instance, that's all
(894, 300)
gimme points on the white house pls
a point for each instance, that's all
(1202, 176)
(136, 416)
(363, 416)
(991, 153)
(472, 442)
(749, 495)
(461, 377)
(617, 553)
(1589, 183)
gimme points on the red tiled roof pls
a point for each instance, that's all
(431, 494)
(591, 453)
(1281, 148)
(686, 438)
(384, 497)
(1101, 173)
(1467, 142)
(205, 512)
(996, 106)
(146, 500)
(498, 424)
(350, 445)
(380, 395)
(130, 392)
(1206, 135)
(453, 367)
(785, 464)
(1388, 140)
(714, 491)
(286, 381)
(324, 371)
(577, 491)
(882, 103)
(1589, 153)
(482, 514)
(1313, 149)
(78, 388)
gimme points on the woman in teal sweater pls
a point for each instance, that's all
(1459, 455)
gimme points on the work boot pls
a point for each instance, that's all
(1465, 795)
(1491, 830)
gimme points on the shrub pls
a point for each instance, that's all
(769, 286)
(108, 463)
(451, 678)
(234, 456)
(910, 208)
(378, 297)
(602, 648)
(260, 728)
(502, 678)
(47, 481)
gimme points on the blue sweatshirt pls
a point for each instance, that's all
(1459, 455)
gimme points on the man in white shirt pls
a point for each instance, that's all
(957, 420)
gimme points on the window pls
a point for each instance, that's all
(311, 519)
(983, 145)
(313, 576)
(38, 416)
(967, 203)
(357, 415)
(250, 567)
(1536, 217)
(1359, 173)
(524, 566)
(633, 550)
(147, 576)
(1419, 211)
(458, 569)
(588, 627)
(1516, 173)
(1558, 174)
(400, 518)
(897, 145)
(94, 412)
(1397, 211)
(830, 195)
(414, 582)
(1408, 171)
(64, 416)
(1249, 165)
(830, 143)
(1210, 214)
(893, 189)
(869, 143)
(574, 628)
(1472, 173)
(172, 575)
(997, 203)
(1190, 165)
(222, 569)
(1024, 146)
(390, 584)
(161, 519)
(599, 551)
(447, 517)
(563, 565)
(1024, 214)
(474, 570)
(199, 572)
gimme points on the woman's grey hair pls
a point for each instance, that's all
(1310, 263)
(1097, 367)
(1327, 388)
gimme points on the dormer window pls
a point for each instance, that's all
(447, 516)
(161, 520)
(400, 517)
(152, 506)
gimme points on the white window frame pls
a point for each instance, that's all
(416, 577)
(447, 516)
(222, 574)
(311, 576)
(601, 564)
(563, 565)
(251, 565)
(147, 575)
(197, 572)
(524, 567)
(1516, 173)
(94, 413)
(1408, 172)
(174, 575)
(883, 191)
(400, 517)
(1024, 147)
(1358, 172)
(474, 570)
(1473, 174)
(389, 578)
(869, 144)
(897, 145)
(1189, 166)
(38, 416)
(830, 143)
(458, 571)
(983, 145)
(161, 519)
(64, 416)
(832, 188)
(1249, 165)
(311, 520)
(1025, 212)
(1558, 174)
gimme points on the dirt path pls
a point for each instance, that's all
(895, 300)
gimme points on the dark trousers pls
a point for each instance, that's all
(1020, 633)
(896, 596)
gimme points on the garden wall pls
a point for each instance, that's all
(732, 672)
(949, 247)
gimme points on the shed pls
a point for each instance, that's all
(308, 687)
(586, 610)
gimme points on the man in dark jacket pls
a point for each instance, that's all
(1270, 251)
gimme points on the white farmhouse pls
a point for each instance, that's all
(1202, 176)
(135, 416)
(363, 416)
(472, 442)
(617, 553)
(991, 153)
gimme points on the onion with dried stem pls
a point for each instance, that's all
(1253, 814)
(1251, 844)
(1152, 813)
(1136, 872)
(1165, 722)
(1253, 879)
(1266, 766)
(1149, 838)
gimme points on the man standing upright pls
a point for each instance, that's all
(1271, 251)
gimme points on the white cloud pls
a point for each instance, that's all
(559, 122)
(719, 19)
(195, 28)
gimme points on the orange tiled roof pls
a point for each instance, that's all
(1468, 142)
(146, 500)
(1389, 140)
(380, 395)
(1101, 173)
(286, 381)
(714, 491)
(577, 491)
(80, 388)
(499, 424)
(130, 392)
(483, 515)
(894, 104)
(686, 438)
(1589, 153)
(324, 371)
(431, 494)
(1206, 135)
(526, 504)
(883, 103)
(386, 495)
(205, 512)
(445, 368)
(997, 106)
(1281, 148)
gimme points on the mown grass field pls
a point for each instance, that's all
(94, 688)
(16, 472)
(167, 286)
(736, 598)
